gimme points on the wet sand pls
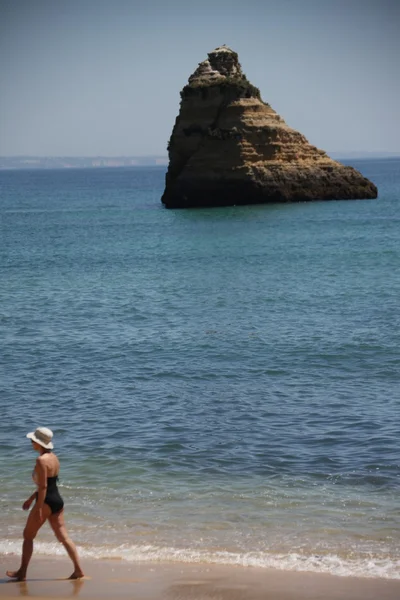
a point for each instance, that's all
(172, 581)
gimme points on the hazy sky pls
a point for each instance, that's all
(99, 77)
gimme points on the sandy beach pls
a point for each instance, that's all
(171, 581)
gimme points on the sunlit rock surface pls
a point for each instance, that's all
(229, 147)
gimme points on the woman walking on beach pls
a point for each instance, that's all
(49, 505)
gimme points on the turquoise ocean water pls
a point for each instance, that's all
(223, 384)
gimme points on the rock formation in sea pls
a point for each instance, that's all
(229, 147)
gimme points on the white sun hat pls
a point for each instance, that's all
(42, 436)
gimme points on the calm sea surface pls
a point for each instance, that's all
(223, 384)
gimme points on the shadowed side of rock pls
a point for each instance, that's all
(229, 147)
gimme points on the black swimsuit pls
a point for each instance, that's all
(53, 498)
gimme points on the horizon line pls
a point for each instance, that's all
(133, 156)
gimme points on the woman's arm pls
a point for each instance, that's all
(26, 505)
(41, 471)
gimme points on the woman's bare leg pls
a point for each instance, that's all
(33, 524)
(57, 524)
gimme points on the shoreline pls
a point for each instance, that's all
(163, 580)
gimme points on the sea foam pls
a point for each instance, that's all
(388, 568)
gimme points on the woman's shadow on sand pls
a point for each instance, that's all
(25, 591)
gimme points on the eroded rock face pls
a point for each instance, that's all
(229, 147)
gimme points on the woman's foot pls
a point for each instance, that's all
(77, 574)
(17, 575)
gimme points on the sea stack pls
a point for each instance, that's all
(229, 147)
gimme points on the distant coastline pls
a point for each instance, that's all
(80, 162)
(98, 162)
